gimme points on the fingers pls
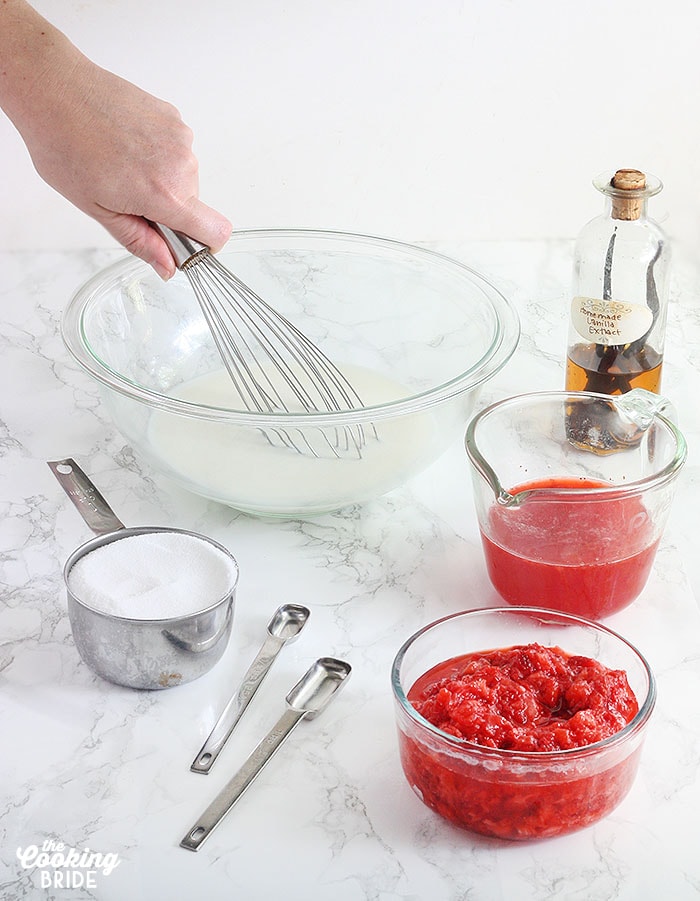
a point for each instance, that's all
(136, 235)
(195, 219)
(200, 222)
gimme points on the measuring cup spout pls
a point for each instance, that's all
(488, 473)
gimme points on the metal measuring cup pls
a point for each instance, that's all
(140, 653)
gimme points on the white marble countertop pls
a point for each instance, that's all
(88, 765)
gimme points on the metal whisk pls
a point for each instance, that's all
(273, 365)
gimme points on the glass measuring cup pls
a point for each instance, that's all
(571, 515)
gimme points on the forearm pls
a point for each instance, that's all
(33, 53)
(116, 152)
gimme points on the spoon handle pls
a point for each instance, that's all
(235, 708)
(308, 697)
(233, 790)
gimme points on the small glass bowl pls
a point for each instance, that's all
(514, 794)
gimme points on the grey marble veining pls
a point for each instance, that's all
(88, 765)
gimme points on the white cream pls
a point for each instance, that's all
(254, 470)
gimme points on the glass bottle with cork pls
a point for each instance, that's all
(621, 275)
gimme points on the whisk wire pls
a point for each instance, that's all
(247, 385)
(249, 333)
(229, 339)
(255, 319)
(301, 349)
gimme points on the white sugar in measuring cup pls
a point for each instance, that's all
(146, 651)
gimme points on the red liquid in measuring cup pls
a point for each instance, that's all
(582, 556)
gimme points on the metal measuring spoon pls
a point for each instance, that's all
(285, 625)
(307, 699)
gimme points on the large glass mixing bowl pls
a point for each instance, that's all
(418, 334)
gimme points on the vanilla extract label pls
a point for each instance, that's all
(610, 321)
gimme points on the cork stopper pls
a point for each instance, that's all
(628, 185)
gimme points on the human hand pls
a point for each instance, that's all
(123, 156)
(116, 152)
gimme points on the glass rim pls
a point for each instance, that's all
(506, 335)
(604, 492)
(603, 183)
(462, 745)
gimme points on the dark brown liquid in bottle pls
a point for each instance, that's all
(606, 370)
(612, 370)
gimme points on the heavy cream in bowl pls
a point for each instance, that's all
(296, 469)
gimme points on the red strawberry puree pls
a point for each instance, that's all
(526, 698)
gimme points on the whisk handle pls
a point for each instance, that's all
(182, 247)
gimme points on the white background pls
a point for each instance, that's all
(474, 120)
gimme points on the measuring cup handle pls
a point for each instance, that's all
(94, 509)
(641, 406)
